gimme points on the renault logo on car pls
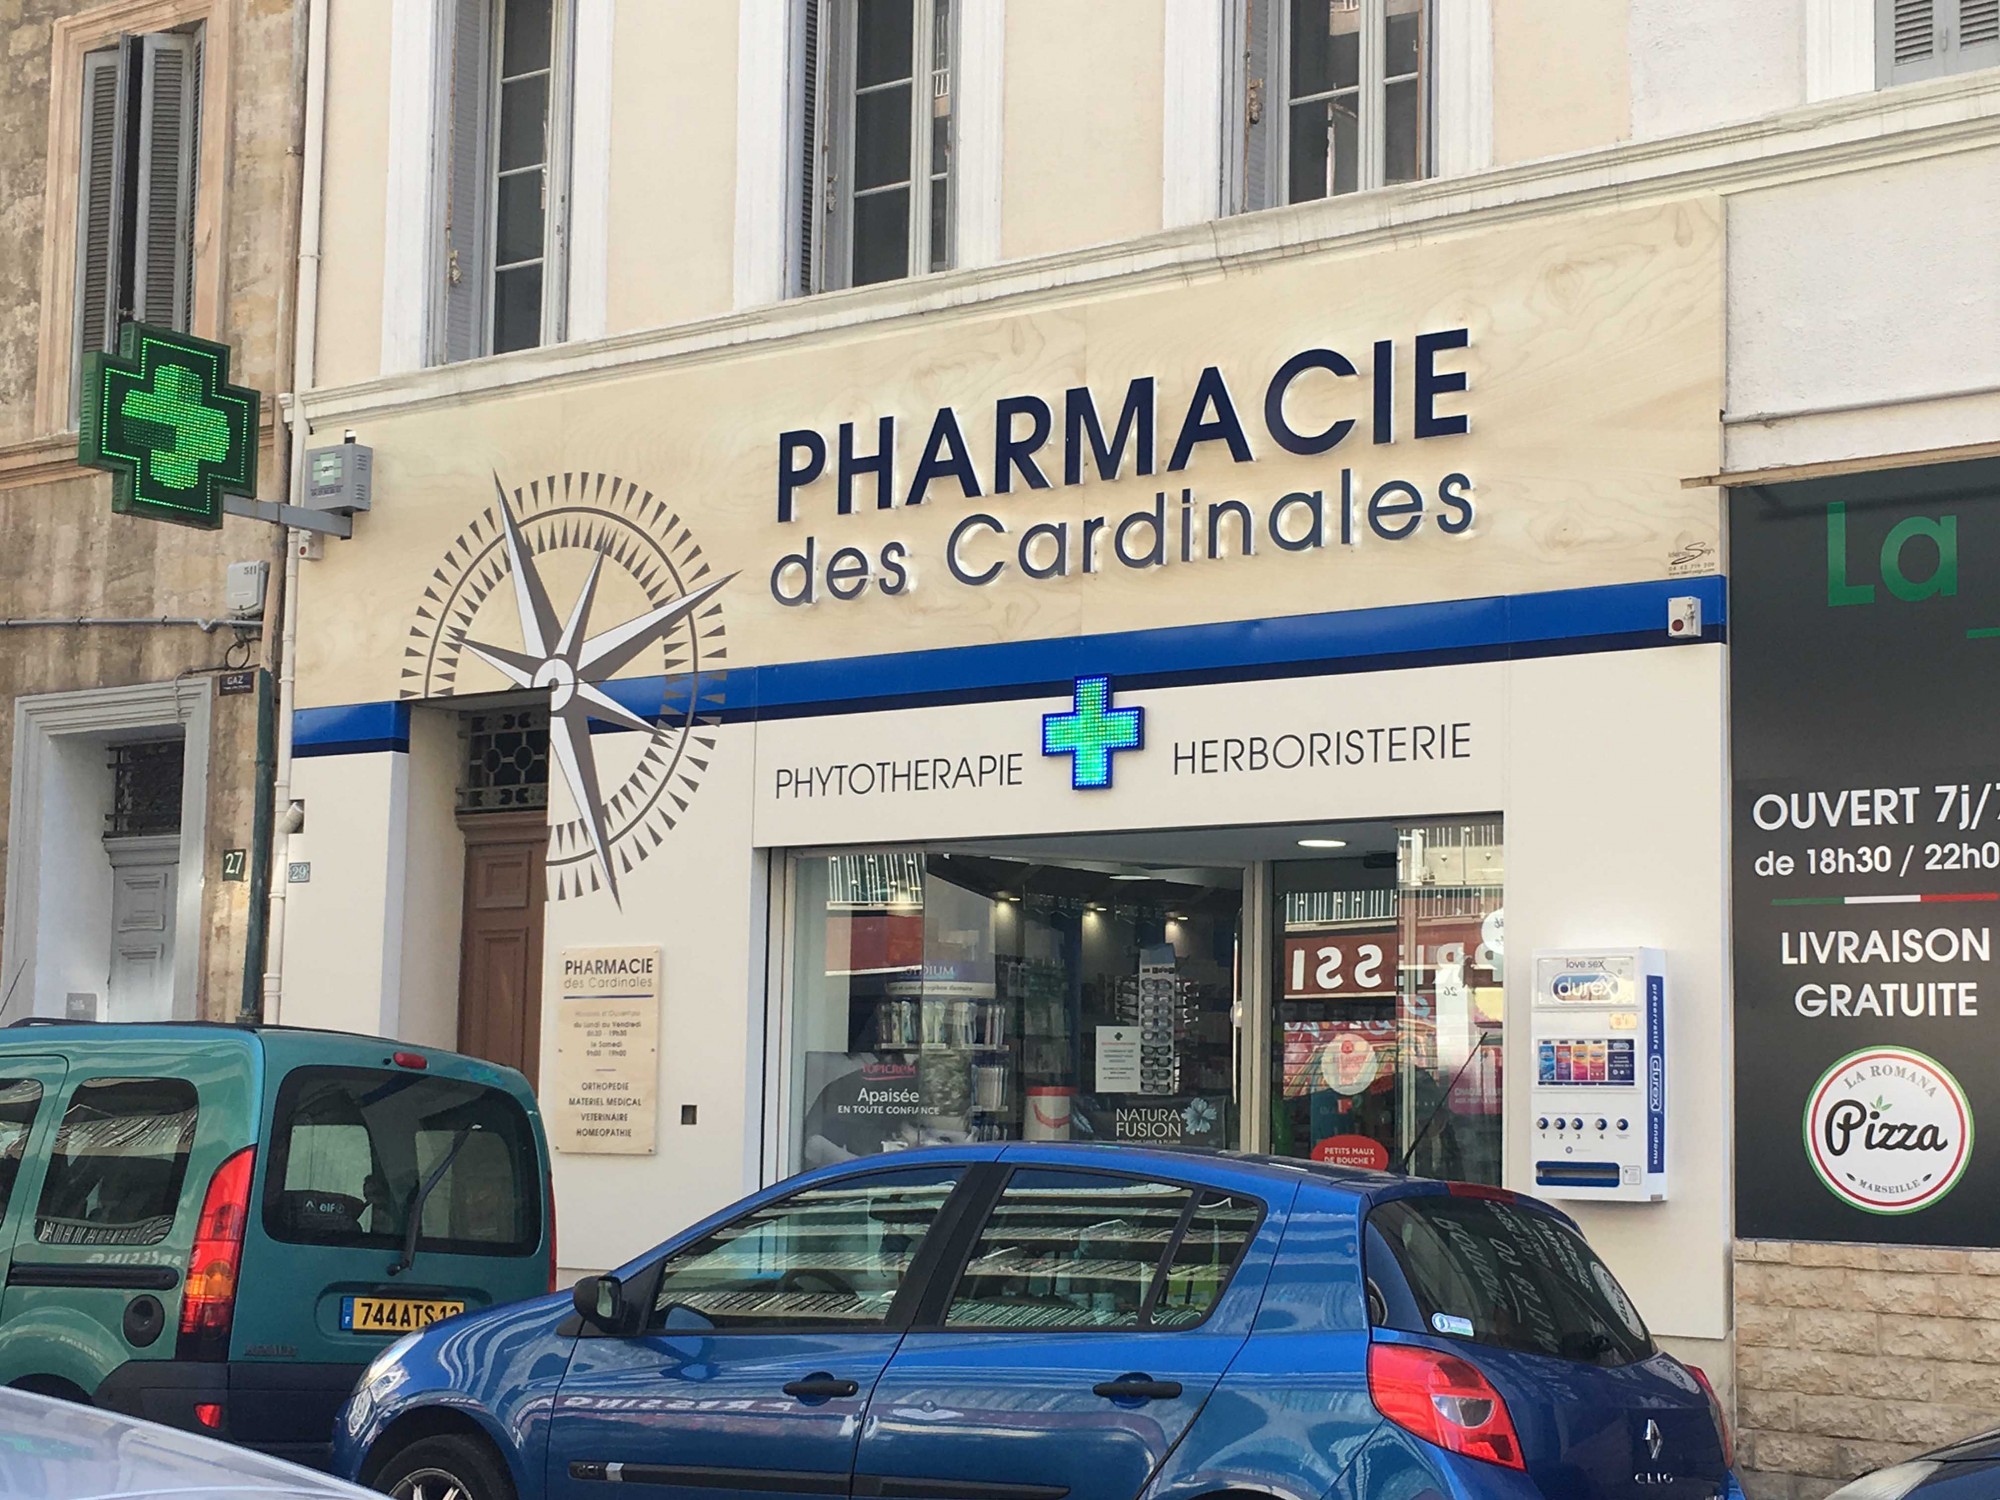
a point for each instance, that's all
(1655, 1440)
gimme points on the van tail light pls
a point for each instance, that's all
(1715, 1410)
(208, 1300)
(549, 1208)
(1443, 1400)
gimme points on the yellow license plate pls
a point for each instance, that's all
(394, 1314)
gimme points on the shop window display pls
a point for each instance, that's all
(1387, 1002)
(965, 996)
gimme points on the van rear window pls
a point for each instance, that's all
(120, 1157)
(353, 1147)
(1499, 1273)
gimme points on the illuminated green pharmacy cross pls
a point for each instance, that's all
(198, 431)
(1091, 731)
(162, 417)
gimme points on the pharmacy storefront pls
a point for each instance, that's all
(1278, 709)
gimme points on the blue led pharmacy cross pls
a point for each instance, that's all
(1091, 731)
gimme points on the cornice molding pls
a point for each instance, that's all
(52, 459)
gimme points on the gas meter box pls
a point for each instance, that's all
(1599, 1104)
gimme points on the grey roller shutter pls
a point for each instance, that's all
(1263, 102)
(163, 244)
(98, 208)
(466, 209)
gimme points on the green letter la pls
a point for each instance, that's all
(1943, 533)
(1838, 590)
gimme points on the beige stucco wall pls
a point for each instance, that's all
(1561, 77)
(1081, 131)
(673, 164)
(353, 192)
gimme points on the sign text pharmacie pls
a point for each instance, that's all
(605, 1098)
(1037, 442)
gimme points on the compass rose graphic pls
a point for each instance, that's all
(494, 582)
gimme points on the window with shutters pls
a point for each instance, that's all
(1918, 39)
(876, 140)
(504, 181)
(136, 184)
(1330, 97)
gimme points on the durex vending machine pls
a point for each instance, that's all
(1599, 1104)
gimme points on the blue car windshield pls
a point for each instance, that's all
(1503, 1274)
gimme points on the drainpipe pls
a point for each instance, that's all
(258, 928)
(68, 621)
(257, 931)
(304, 355)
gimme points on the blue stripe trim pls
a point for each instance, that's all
(1508, 627)
(1297, 645)
(350, 729)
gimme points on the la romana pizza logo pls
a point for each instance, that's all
(1888, 1130)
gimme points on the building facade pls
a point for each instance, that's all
(148, 172)
(1156, 571)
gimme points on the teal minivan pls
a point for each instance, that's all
(218, 1227)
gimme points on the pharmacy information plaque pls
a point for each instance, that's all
(607, 1093)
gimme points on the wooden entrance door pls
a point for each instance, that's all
(500, 957)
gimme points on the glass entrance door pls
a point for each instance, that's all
(968, 995)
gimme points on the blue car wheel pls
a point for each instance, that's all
(445, 1468)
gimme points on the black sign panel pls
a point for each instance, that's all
(1865, 707)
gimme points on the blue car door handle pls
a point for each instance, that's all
(1137, 1388)
(820, 1386)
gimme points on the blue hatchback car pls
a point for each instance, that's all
(1061, 1322)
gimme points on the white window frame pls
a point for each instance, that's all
(1202, 65)
(1201, 156)
(556, 175)
(416, 254)
(587, 260)
(1262, 85)
(1840, 48)
(826, 179)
